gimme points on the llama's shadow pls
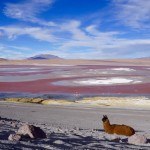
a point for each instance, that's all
(7, 119)
(5, 131)
(100, 130)
(136, 131)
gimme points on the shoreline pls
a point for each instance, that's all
(140, 102)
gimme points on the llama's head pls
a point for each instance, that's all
(105, 118)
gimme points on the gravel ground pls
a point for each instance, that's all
(70, 127)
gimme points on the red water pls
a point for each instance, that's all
(46, 86)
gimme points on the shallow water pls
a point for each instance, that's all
(74, 81)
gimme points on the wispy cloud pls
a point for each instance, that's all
(100, 44)
(133, 13)
(28, 11)
(18, 52)
(39, 33)
(20, 48)
(73, 27)
(72, 35)
(9, 53)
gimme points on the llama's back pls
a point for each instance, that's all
(123, 130)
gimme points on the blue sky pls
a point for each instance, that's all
(88, 29)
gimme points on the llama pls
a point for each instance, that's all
(116, 129)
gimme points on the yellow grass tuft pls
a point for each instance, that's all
(25, 100)
(56, 102)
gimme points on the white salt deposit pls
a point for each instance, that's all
(123, 69)
(104, 81)
(97, 71)
(137, 81)
(30, 71)
(39, 64)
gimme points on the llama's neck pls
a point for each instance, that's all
(107, 125)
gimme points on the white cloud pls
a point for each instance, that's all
(18, 52)
(103, 44)
(73, 27)
(133, 13)
(88, 37)
(28, 11)
(99, 44)
(19, 48)
(73, 37)
(8, 53)
(39, 33)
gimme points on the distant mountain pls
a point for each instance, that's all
(44, 56)
(1, 59)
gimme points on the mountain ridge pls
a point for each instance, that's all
(43, 56)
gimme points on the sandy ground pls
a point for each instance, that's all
(71, 127)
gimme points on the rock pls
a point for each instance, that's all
(1, 121)
(14, 137)
(31, 131)
(137, 139)
(76, 128)
(60, 130)
(13, 124)
(58, 142)
(112, 137)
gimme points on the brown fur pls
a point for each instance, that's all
(117, 129)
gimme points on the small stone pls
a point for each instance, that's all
(112, 137)
(76, 128)
(47, 147)
(13, 124)
(60, 130)
(58, 142)
(1, 121)
(14, 137)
